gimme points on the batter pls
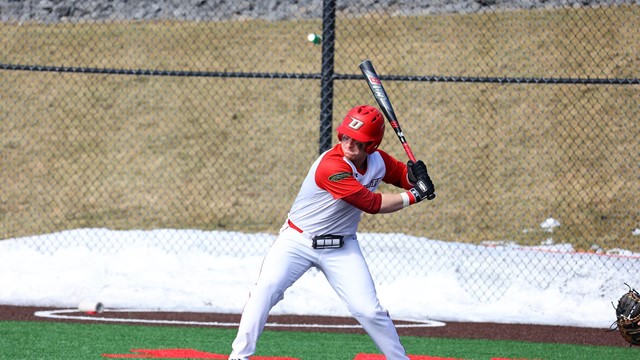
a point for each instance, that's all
(321, 231)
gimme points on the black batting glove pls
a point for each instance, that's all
(419, 177)
(416, 170)
(418, 195)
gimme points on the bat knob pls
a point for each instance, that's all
(431, 196)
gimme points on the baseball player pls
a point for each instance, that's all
(321, 231)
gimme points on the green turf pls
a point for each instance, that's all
(51, 341)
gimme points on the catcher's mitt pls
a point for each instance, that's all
(628, 316)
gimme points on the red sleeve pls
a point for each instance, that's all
(334, 175)
(396, 171)
(365, 200)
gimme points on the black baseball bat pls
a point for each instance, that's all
(383, 101)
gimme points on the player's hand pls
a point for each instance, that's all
(416, 170)
(418, 194)
(419, 177)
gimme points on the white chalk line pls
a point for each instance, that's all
(60, 314)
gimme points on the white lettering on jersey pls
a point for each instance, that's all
(373, 184)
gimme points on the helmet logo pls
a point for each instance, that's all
(355, 124)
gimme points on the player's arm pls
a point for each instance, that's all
(376, 203)
(350, 190)
(408, 176)
(397, 173)
(335, 177)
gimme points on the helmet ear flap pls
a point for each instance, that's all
(371, 147)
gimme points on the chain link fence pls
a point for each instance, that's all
(206, 115)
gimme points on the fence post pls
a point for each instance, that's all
(326, 85)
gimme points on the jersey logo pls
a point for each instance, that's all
(355, 124)
(373, 183)
(339, 176)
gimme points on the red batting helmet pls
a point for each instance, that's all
(363, 123)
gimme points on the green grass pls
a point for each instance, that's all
(53, 341)
(136, 152)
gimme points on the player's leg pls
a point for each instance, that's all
(284, 263)
(348, 274)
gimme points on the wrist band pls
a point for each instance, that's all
(405, 199)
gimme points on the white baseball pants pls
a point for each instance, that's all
(290, 256)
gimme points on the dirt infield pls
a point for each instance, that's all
(517, 332)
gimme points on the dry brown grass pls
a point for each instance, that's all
(149, 152)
